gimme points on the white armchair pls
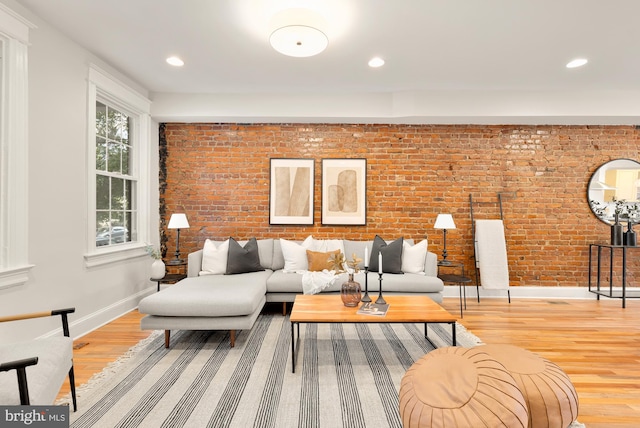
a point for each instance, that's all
(40, 365)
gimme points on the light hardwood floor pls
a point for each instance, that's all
(597, 343)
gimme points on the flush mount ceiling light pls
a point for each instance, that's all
(298, 33)
(579, 62)
(376, 62)
(175, 61)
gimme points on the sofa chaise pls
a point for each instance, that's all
(212, 298)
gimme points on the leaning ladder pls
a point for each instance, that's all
(473, 231)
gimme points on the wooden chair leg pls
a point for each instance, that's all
(232, 334)
(284, 309)
(72, 385)
(167, 337)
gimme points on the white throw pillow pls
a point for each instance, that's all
(413, 257)
(295, 255)
(327, 245)
(214, 257)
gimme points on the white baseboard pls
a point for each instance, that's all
(97, 319)
(524, 292)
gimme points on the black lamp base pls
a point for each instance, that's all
(175, 262)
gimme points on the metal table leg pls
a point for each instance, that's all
(295, 344)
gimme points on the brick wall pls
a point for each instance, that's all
(219, 175)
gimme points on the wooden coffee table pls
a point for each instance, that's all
(329, 309)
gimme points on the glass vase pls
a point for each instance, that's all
(351, 292)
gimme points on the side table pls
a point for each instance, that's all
(461, 280)
(170, 278)
(625, 293)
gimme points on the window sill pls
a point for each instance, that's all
(14, 276)
(114, 255)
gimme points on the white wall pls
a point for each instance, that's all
(427, 107)
(58, 70)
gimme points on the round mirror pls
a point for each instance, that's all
(615, 186)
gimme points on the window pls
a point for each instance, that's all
(115, 179)
(118, 158)
(14, 39)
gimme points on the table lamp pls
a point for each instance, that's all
(444, 222)
(177, 221)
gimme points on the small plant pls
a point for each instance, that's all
(620, 205)
(153, 252)
(337, 262)
(340, 264)
(598, 208)
(353, 264)
(632, 212)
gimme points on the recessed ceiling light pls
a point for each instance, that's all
(175, 61)
(577, 63)
(376, 62)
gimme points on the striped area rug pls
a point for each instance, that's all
(347, 375)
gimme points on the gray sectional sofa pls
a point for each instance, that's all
(205, 301)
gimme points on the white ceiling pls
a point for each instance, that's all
(496, 48)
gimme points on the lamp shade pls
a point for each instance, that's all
(444, 221)
(178, 221)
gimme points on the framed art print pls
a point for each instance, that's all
(291, 191)
(344, 191)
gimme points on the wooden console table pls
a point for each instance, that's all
(624, 293)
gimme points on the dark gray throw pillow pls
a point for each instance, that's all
(391, 255)
(243, 259)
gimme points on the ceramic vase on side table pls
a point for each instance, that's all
(157, 269)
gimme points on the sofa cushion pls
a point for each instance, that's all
(357, 247)
(214, 257)
(326, 245)
(265, 249)
(319, 261)
(413, 257)
(404, 283)
(243, 259)
(391, 255)
(283, 282)
(209, 296)
(278, 258)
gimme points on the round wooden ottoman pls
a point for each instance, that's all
(550, 396)
(460, 387)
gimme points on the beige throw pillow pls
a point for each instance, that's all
(319, 261)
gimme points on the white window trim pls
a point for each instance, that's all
(14, 237)
(103, 86)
